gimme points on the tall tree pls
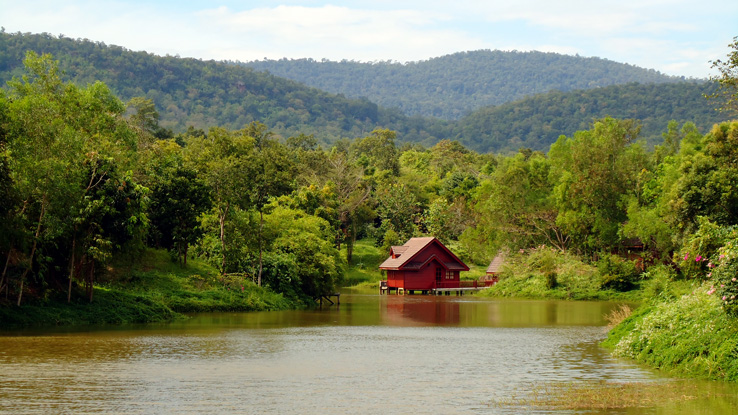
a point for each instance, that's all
(595, 170)
(270, 173)
(224, 160)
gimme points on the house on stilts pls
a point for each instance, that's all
(424, 265)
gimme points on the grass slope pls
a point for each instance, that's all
(687, 336)
(150, 289)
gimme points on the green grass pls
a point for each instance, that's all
(687, 336)
(150, 289)
(525, 276)
(363, 271)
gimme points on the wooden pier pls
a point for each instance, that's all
(458, 291)
(466, 286)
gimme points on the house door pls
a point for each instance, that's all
(439, 276)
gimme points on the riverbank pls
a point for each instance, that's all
(688, 336)
(150, 289)
(544, 274)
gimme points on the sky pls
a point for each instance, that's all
(675, 37)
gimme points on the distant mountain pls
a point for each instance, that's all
(536, 122)
(191, 92)
(452, 86)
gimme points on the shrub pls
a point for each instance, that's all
(617, 273)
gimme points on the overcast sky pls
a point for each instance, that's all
(676, 37)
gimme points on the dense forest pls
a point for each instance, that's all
(537, 122)
(85, 178)
(452, 86)
(193, 93)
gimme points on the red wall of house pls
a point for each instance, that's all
(425, 278)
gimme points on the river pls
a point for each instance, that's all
(370, 355)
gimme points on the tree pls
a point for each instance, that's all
(224, 160)
(270, 173)
(178, 198)
(708, 181)
(66, 144)
(727, 80)
(515, 207)
(595, 170)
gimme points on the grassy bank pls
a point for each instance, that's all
(549, 274)
(363, 271)
(688, 336)
(536, 274)
(150, 289)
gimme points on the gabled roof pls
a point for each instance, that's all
(403, 256)
(496, 264)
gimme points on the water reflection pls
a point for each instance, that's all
(389, 354)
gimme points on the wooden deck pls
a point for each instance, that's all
(458, 291)
(466, 286)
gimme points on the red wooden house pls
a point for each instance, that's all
(422, 264)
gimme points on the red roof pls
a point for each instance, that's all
(401, 257)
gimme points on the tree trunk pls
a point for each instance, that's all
(71, 268)
(350, 242)
(222, 218)
(261, 248)
(92, 279)
(3, 283)
(33, 250)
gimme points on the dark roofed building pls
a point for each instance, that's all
(422, 264)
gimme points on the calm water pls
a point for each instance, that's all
(371, 355)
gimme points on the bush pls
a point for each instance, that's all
(617, 273)
(657, 282)
(551, 281)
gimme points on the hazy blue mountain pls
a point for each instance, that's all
(452, 86)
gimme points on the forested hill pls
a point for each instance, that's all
(452, 86)
(191, 92)
(537, 121)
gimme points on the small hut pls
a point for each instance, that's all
(492, 275)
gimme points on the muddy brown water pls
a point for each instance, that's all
(372, 355)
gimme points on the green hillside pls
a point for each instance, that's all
(191, 92)
(452, 86)
(537, 121)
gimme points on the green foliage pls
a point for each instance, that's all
(549, 273)
(596, 171)
(308, 261)
(689, 337)
(617, 273)
(708, 179)
(727, 80)
(454, 85)
(658, 282)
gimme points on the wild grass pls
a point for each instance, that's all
(606, 395)
(617, 315)
(690, 336)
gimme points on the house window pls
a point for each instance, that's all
(449, 275)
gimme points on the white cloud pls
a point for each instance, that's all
(667, 35)
(338, 32)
